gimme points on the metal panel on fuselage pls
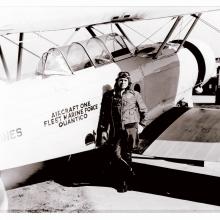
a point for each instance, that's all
(158, 80)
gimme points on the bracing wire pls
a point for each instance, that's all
(70, 37)
(98, 30)
(155, 32)
(142, 35)
(22, 47)
(39, 35)
(183, 28)
(210, 25)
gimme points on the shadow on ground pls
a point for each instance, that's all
(177, 184)
(91, 168)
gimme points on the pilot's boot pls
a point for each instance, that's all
(131, 172)
(122, 187)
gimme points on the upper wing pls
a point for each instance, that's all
(31, 19)
(194, 135)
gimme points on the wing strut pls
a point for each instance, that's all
(89, 29)
(4, 63)
(168, 36)
(20, 52)
(123, 33)
(190, 30)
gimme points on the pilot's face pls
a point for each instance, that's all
(123, 83)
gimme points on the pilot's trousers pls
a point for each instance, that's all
(125, 141)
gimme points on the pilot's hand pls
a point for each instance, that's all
(104, 137)
(140, 129)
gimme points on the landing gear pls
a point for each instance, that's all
(182, 104)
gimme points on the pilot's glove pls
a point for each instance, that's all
(140, 128)
(104, 137)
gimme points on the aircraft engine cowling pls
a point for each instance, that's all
(201, 71)
(204, 56)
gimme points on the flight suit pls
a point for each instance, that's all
(119, 118)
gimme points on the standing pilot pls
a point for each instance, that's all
(123, 113)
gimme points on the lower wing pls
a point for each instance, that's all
(185, 134)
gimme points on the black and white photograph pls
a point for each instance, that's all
(109, 108)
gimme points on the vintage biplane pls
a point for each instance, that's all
(56, 112)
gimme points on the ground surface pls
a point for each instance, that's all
(52, 197)
(155, 189)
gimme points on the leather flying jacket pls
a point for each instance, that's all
(133, 110)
